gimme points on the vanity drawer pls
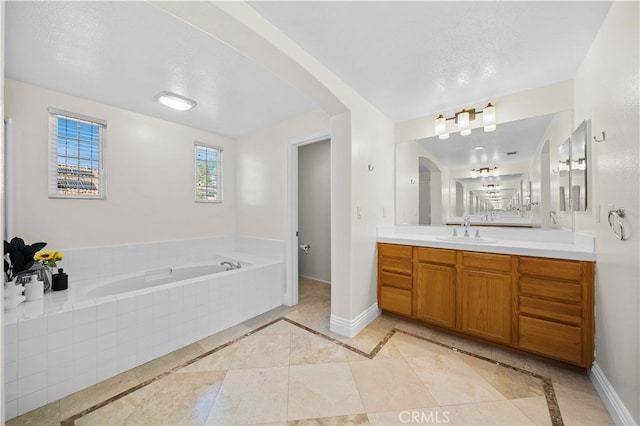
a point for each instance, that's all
(395, 250)
(562, 312)
(569, 270)
(560, 341)
(557, 290)
(395, 300)
(447, 257)
(486, 261)
(395, 280)
(397, 266)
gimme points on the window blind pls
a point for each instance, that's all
(208, 173)
(76, 160)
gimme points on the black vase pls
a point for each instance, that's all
(60, 281)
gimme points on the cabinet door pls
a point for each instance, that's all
(435, 295)
(486, 305)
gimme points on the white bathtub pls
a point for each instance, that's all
(101, 327)
(152, 278)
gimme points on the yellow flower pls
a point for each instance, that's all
(49, 258)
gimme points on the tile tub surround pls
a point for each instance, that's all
(59, 345)
(551, 243)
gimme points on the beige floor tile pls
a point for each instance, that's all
(487, 413)
(387, 385)
(261, 352)
(389, 351)
(48, 415)
(571, 377)
(322, 390)
(280, 327)
(350, 420)
(451, 381)
(181, 399)
(217, 361)
(367, 339)
(520, 360)
(95, 394)
(510, 383)
(116, 412)
(353, 356)
(257, 395)
(157, 366)
(412, 347)
(215, 340)
(581, 408)
(307, 348)
(267, 317)
(535, 409)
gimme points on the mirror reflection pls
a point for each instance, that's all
(564, 160)
(578, 167)
(500, 178)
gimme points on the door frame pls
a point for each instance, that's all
(291, 246)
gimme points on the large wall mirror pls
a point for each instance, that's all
(500, 178)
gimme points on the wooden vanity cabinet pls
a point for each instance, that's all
(434, 298)
(486, 295)
(395, 278)
(556, 316)
(540, 305)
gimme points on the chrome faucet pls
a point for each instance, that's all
(467, 224)
(230, 265)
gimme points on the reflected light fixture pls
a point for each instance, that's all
(463, 121)
(174, 101)
(485, 172)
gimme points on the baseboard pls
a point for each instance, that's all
(617, 410)
(350, 328)
(315, 279)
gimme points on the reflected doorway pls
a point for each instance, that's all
(429, 192)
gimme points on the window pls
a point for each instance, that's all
(208, 173)
(75, 155)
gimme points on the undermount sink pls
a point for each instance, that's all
(467, 240)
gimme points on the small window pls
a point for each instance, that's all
(75, 156)
(208, 173)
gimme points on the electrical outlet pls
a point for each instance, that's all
(598, 213)
(358, 213)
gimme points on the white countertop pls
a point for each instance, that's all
(552, 243)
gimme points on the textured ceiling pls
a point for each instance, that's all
(411, 59)
(124, 53)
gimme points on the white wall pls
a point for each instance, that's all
(314, 210)
(261, 175)
(606, 91)
(149, 172)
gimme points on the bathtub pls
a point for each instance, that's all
(101, 327)
(152, 278)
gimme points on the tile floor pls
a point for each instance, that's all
(286, 367)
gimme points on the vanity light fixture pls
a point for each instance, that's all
(491, 187)
(463, 121)
(174, 101)
(485, 172)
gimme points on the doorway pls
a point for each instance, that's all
(314, 211)
(292, 247)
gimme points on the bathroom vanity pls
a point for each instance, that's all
(531, 290)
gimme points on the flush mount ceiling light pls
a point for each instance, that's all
(463, 121)
(485, 172)
(174, 101)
